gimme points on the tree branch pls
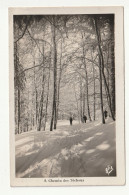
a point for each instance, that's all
(39, 65)
(23, 31)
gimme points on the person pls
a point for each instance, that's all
(84, 118)
(71, 120)
(105, 114)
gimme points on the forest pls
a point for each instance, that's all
(64, 65)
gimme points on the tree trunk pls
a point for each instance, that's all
(102, 64)
(94, 109)
(54, 114)
(42, 96)
(101, 90)
(84, 101)
(81, 99)
(36, 106)
(112, 68)
(19, 110)
(59, 80)
(77, 104)
(58, 95)
(41, 110)
(87, 85)
(94, 91)
(17, 86)
(47, 99)
(36, 98)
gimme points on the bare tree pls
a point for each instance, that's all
(54, 53)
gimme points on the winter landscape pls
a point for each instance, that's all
(64, 81)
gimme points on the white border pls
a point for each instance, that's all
(4, 101)
(119, 61)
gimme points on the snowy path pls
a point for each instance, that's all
(81, 150)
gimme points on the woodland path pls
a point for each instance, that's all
(80, 150)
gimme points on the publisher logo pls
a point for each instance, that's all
(109, 169)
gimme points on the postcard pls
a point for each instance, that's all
(66, 69)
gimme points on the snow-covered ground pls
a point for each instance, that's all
(80, 150)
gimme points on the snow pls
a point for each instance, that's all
(103, 146)
(80, 150)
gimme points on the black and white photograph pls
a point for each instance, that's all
(64, 85)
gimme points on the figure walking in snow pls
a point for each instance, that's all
(71, 120)
(105, 114)
(84, 118)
